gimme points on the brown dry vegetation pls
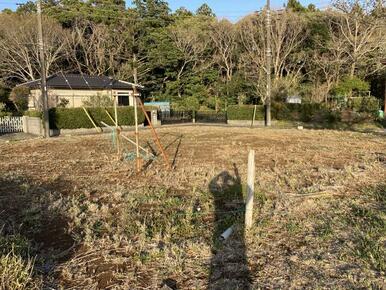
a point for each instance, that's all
(92, 223)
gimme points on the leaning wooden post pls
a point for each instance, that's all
(156, 138)
(99, 129)
(111, 118)
(250, 190)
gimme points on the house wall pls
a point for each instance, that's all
(76, 98)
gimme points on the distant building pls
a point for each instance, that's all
(162, 106)
(293, 100)
(78, 88)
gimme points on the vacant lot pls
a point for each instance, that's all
(88, 221)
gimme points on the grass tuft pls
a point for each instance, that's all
(16, 272)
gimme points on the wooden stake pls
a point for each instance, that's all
(92, 121)
(156, 138)
(111, 118)
(250, 190)
(129, 140)
(140, 147)
(118, 142)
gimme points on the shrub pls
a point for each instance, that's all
(63, 103)
(313, 112)
(75, 118)
(3, 111)
(308, 112)
(283, 111)
(190, 103)
(99, 101)
(4, 93)
(245, 112)
(17, 244)
(33, 113)
(19, 96)
(333, 116)
(364, 104)
(350, 84)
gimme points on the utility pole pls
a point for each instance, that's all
(135, 93)
(268, 60)
(384, 100)
(43, 81)
(383, 62)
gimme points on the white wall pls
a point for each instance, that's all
(75, 97)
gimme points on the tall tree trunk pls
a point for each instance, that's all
(352, 70)
(179, 78)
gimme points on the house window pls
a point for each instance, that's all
(123, 99)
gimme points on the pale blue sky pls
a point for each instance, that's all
(231, 9)
(235, 9)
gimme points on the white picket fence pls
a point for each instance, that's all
(11, 124)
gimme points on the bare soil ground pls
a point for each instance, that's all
(94, 223)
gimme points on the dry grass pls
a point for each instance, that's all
(15, 273)
(94, 223)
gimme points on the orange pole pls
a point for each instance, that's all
(164, 155)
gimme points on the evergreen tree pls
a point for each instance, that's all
(183, 12)
(295, 6)
(205, 10)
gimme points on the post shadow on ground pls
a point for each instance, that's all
(229, 265)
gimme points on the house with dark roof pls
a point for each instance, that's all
(76, 90)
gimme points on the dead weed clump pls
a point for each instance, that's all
(143, 233)
(17, 273)
(321, 242)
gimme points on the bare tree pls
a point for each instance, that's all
(252, 59)
(363, 33)
(327, 64)
(189, 38)
(288, 32)
(19, 46)
(224, 37)
(95, 49)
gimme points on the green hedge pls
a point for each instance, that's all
(287, 112)
(245, 112)
(74, 118)
(304, 113)
(33, 113)
(283, 111)
(364, 104)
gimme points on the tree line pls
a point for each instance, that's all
(197, 60)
